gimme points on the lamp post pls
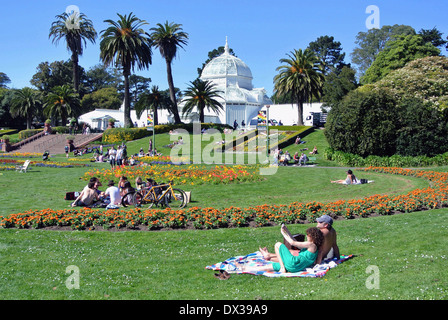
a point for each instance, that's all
(267, 131)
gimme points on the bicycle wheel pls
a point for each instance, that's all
(129, 199)
(178, 201)
(137, 199)
(149, 199)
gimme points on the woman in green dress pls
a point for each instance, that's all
(287, 261)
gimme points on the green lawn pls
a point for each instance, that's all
(409, 250)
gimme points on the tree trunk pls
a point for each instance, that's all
(127, 102)
(300, 112)
(201, 115)
(172, 93)
(75, 72)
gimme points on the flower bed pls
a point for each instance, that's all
(433, 197)
(181, 175)
(9, 164)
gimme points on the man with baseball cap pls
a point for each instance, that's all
(329, 248)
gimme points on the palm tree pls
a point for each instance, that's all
(202, 94)
(126, 44)
(301, 76)
(154, 100)
(76, 29)
(26, 102)
(168, 37)
(62, 102)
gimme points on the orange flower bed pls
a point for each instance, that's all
(433, 197)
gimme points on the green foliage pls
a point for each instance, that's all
(370, 43)
(396, 54)
(404, 113)
(354, 160)
(337, 85)
(117, 135)
(425, 79)
(104, 98)
(301, 76)
(28, 133)
(363, 123)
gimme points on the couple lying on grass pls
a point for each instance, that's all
(295, 256)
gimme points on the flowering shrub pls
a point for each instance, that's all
(9, 164)
(433, 197)
(21, 155)
(191, 174)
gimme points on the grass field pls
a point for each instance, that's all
(409, 250)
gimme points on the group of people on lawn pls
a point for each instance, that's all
(283, 158)
(113, 195)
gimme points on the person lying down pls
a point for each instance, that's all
(351, 179)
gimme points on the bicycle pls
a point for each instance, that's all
(159, 194)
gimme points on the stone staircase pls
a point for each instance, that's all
(55, 143)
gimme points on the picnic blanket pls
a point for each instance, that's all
(256, 259)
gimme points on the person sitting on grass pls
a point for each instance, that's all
(87, 197)
(287, 262)
(303, 159)
(113, 195)
(330, 247)
(350, 179)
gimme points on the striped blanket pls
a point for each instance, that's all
(252, 260)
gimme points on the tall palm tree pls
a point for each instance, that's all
(76, 29)
(62, 102)
(26, 102)
(301, 75)
(126, 45)
(201, 94)
(154, 100)
(168, 37)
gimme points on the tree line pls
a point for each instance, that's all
(317, 73)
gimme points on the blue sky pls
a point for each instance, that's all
(259, 31)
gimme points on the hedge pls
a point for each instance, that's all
(353, 160)
(117, 135)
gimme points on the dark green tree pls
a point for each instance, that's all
(396, 54)
(126, 45)
(26, 102)
(168, 37)
(365, 123)
(76, 30)
(62, 102)
(369, 44)
(433, 36)
(4, 80)
(301, 76)
(329, 52)
(200, 95)
(154, 100)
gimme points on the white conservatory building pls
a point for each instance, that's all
(233, 78)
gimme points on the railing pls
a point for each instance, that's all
(28, 140)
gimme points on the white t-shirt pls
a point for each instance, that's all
(114, 194)
(112, 153)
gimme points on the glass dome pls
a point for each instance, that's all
(228, 69)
